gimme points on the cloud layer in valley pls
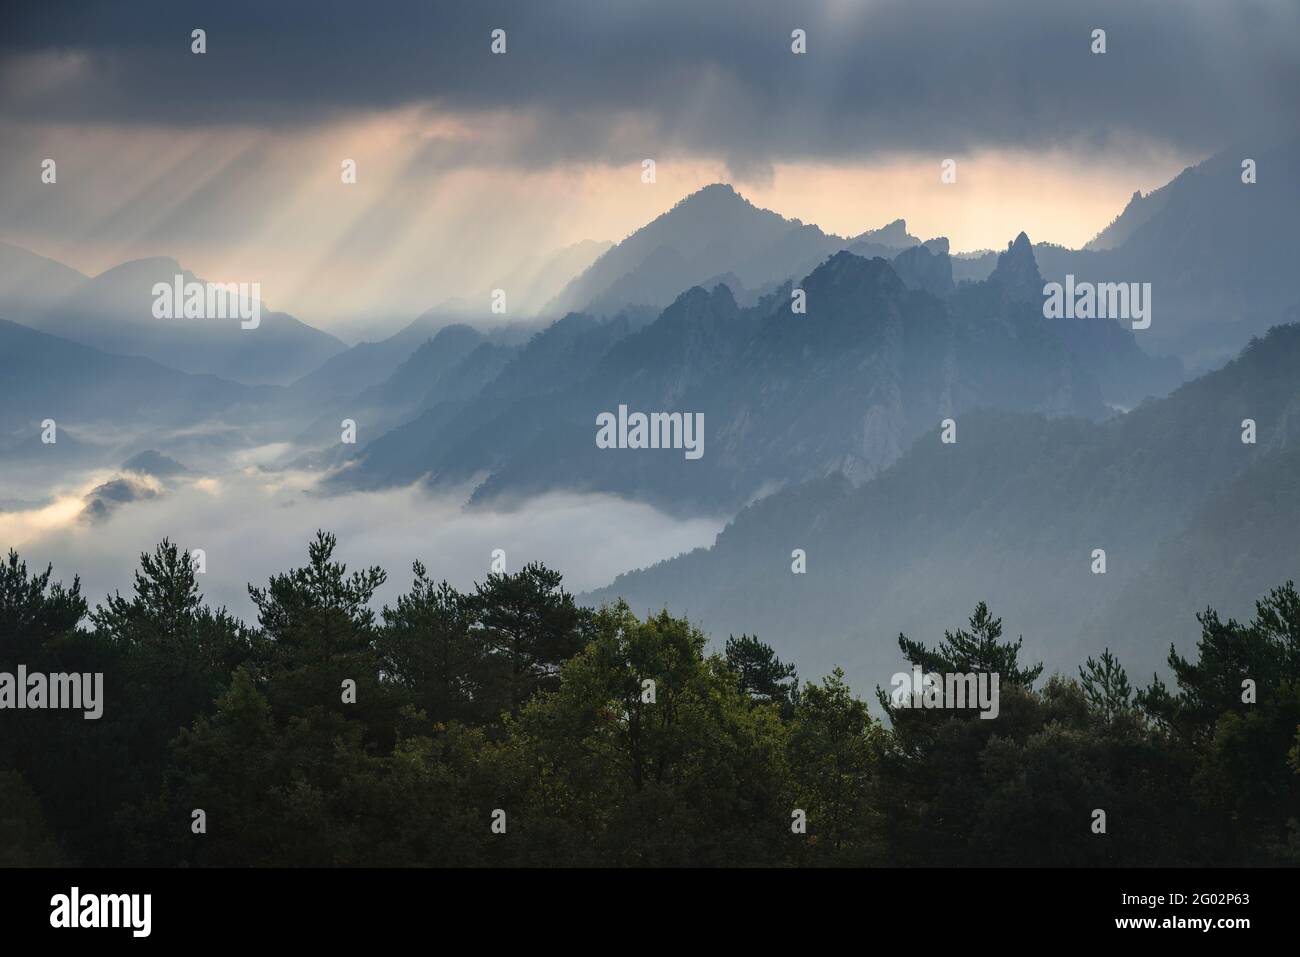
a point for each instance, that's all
(252, 524)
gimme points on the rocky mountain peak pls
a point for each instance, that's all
(1017, 271)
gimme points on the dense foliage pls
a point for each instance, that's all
(607, 739)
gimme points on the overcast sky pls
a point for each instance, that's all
(469, 163)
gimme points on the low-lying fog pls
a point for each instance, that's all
(252, 523)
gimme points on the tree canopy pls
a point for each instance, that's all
(509, 725)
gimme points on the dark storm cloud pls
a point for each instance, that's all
(707, 77)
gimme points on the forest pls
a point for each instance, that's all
(510, 726)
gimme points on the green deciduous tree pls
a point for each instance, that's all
(832, 753)
(608, 768)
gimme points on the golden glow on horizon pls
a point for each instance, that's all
(440, 210)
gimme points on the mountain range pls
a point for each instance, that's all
(1011, 513)
(113, 312)
(823, 367)
(883, 352)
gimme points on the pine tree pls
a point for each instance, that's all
(977, 650)
(763, 676)
(1106, 686)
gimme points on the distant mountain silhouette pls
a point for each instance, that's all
(709, 233)
(892, 235)
(1219, 253)
(46, 377)
(461, 406)
(152, 462)
(1137, 213)
(786, 397)
(927, 267)
(113, 312)
(369, 364)
(30, 283)
(1011, 513)
(1017, 271)
(380, 407)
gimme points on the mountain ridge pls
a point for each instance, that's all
(982, 519)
